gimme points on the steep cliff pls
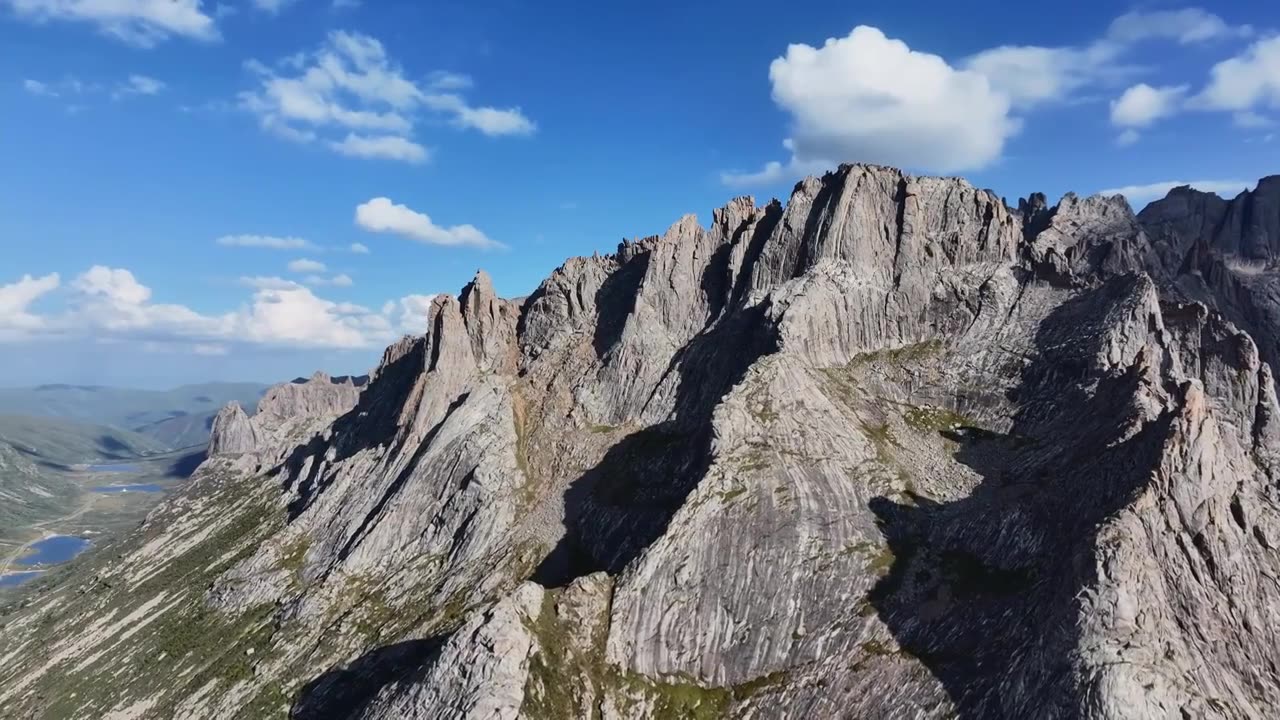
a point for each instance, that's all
(890, 450)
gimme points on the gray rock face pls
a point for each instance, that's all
(891, 450)
(232, 432)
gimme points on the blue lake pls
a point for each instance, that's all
(123, 468)
(16, 579)
(54, 550)
(137, 487)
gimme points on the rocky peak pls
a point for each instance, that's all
(232, 432)
(491, 324)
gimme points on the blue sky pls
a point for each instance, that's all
(177, 173)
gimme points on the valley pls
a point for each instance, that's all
(81, 465)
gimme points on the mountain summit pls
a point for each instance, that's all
(891, 450)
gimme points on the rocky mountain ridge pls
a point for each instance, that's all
(893, 449)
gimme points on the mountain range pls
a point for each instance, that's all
(894, 449)
(176, 418)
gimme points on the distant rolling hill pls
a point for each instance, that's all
(174, 418)
(55, 442)
(29, 494)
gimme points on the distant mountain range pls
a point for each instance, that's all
(173, 419)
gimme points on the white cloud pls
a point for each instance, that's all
(306, 265)
(260, 282)
(1143, 104)
(443, 80)
(263, 241)
(138, 85)
(352, 86)
(869, 98)
(772, 172)
(381, 215)
(1141, 194)
(1247, 81)
(1187, 26)
(387, 147)
(15, 300)
(299, 318)
(35, 87)
(272, 6)
(359, 248)
(340, 280)
(1250, 119)
(143, 23)
(1128, 137)
(110, 305)
(490, 121)
(1031, 75)
(414, 313)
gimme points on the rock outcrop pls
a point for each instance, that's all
(891, 450)
(232, 432)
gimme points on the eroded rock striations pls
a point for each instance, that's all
(891, 450)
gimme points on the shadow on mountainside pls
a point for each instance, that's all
(622, 505)
(185, 465)
(983, 590)
(372, 422)
(343, 692)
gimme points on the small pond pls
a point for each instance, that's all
(14, 579)
(53, 550)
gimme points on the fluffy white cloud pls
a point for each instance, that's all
(296, 317)
(306, 265)
(359, 248)
(1141, 194)
(138, 85)
(1143, 104)
(868, 98)
(413, 313)
(1247, 81)
(263, 241)
(16, 299)
(143, 23)
(383, 216)
(110, 304)
(387, 147)
(352, 86)
(1128, 137)
(490, 121)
